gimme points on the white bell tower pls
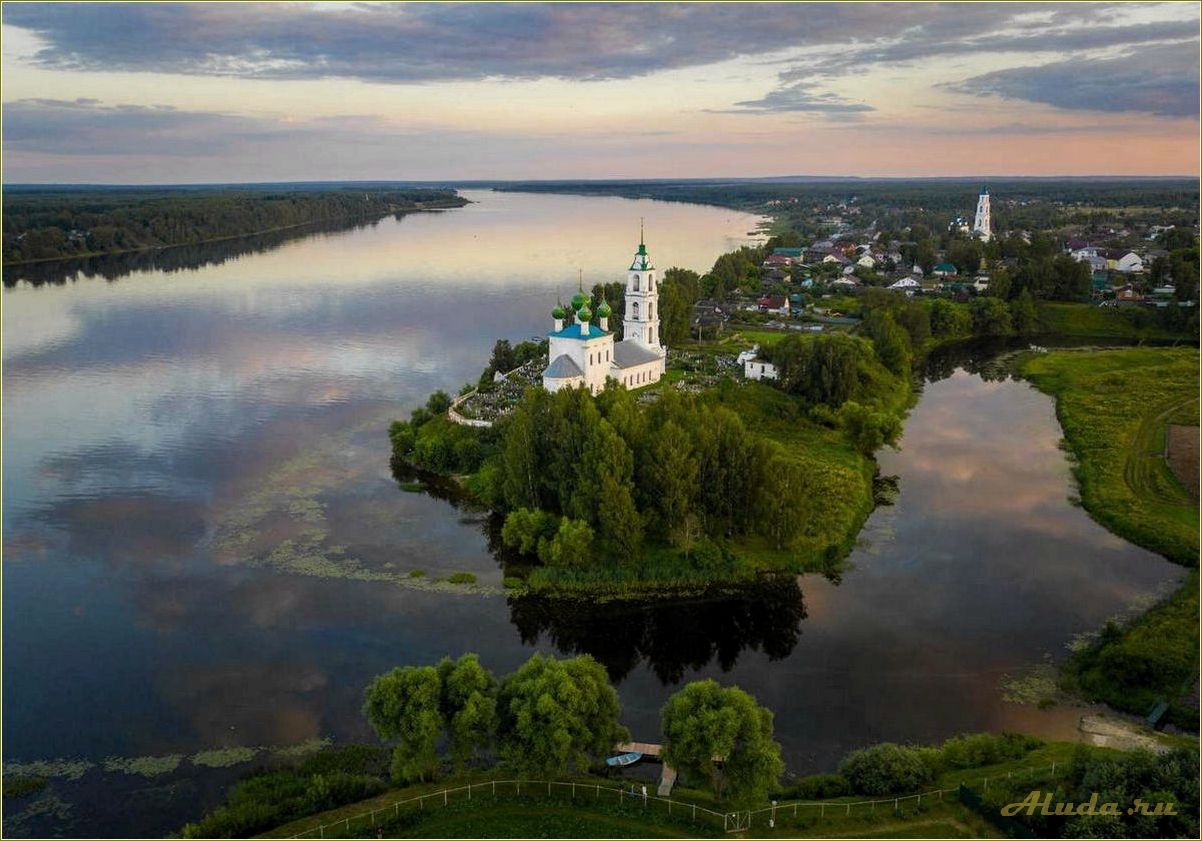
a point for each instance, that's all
(641, 323)
(983, 226)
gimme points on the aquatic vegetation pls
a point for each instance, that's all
(68, 769)
(49, 807)
(461, 578)
(1034, 686)
(23, 786)
(301, 748)
(224, 757)
(145, 766)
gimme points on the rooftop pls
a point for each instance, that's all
(572, 331)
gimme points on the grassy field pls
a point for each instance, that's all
(589, 812)
(1062, 318)
(1114, 407)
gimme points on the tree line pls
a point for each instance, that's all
(55, 224)
(553, 718)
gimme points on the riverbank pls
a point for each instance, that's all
(48, 226)
(962, 799)
(1114, 407)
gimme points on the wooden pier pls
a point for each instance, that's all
(667, 778)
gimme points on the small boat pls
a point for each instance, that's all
(624, 759)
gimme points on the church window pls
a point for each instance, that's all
(636, 283)
(650, 310)
(636, 310)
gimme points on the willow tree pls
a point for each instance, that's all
(722, 735)
(403, 705)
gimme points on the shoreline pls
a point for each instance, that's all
(92, 255)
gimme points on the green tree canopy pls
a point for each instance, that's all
(722, 735)
(557, 715)
(404, 705)
(468, 703)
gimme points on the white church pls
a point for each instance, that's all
(585, 354)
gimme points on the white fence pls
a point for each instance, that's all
(364, 824)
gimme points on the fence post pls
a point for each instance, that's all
(469, 791)
(694, 811)
(573, 791)
(494, 788)
(397, 808)
(597, 796)
(849, 810)
(548, 789)
(322, 830)
(986, 784)
(1053, 769)
(373, 817)
(823, 813)
(920, 800)
(895, 804)
(348, 826)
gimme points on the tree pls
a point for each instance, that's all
(891, 343)
(468, 703)
(990, 316)
(672, 477)
(926, 255)
(571, 545)
(1023, 315)
(678, 291)
(886, 769)
(502, 360)
(724, 736)
(868, 429)
(404, 705)
(949, 320)
(556, 715)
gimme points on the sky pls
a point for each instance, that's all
(230, 92)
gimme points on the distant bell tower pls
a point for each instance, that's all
(641, 324)
(983, 226)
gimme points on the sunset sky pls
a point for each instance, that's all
(153, 93)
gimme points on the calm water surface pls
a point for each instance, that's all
(203, 546)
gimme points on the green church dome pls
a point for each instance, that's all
(584, 314)
(604, 311)
(579, 300)
(558, 312)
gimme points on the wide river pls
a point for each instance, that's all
(204, 548)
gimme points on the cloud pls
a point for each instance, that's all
(1162, 81)
(416, 42)
(85, 126)
(800, 96)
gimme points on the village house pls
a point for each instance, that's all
(777, 304)
(1123, 260)
(760, 369)
(944, 270)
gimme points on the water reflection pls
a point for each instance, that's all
(672, 638)
(112, 267)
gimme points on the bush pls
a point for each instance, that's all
(887, 768)
(462, 578)
(977, 749)
(818, 787)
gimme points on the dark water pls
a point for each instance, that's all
(204, 548)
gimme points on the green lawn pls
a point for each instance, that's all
(1114, 406)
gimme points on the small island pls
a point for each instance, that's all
(618, 474)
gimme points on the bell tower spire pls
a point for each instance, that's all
(640, 323)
